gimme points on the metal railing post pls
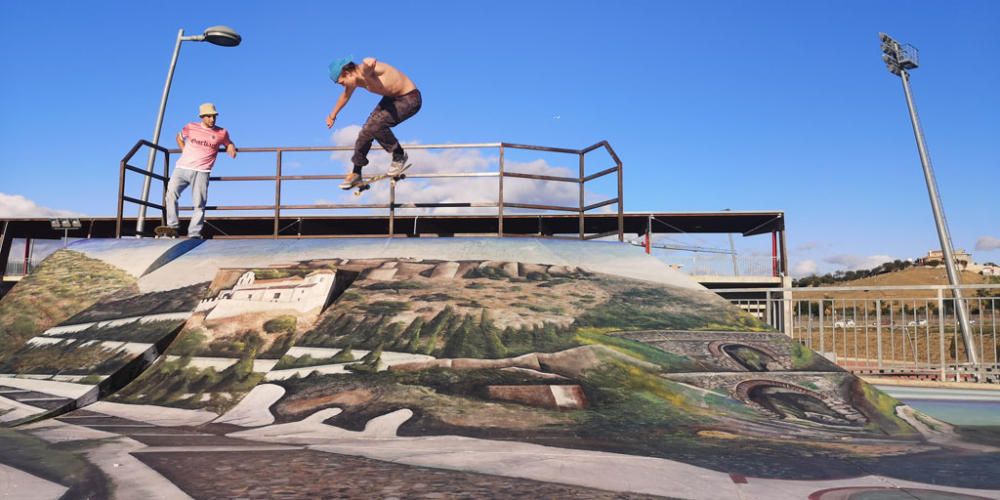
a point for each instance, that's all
(621, 192)
(166, 182)
(582, 200)
(121, 200)
(277, 195)
(392, 208)
(500, 197)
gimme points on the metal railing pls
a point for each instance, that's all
(19, 268)
(124, 167)
(393, 204)
(715, 264)
(892, 330)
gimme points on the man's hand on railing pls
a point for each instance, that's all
(231, 150)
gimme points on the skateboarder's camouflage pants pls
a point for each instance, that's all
(389, 112)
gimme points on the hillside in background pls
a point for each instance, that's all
(911, 276)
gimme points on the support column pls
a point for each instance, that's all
(6, 239)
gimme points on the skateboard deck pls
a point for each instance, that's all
(366, 183)
(165, 232)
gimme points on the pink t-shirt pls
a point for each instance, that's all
(201, 146)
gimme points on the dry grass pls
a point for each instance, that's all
(914, 276)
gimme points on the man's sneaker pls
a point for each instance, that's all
(351, 181)
(196, 237)
(397, 167)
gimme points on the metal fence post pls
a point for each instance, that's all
(878, 332)
(822, 332)
(767, 309)
(940, 298)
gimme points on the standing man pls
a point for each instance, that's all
(400, 100)
(199, 143)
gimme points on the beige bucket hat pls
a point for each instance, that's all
(207, 109)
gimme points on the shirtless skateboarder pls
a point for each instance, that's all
(400, 100)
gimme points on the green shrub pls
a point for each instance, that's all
(281, 324)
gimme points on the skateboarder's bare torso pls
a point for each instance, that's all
(380, 78)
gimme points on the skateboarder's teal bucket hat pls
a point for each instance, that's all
(337, 66)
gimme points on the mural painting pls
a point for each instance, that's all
(247, 321)
(316, 372)
(80, 328)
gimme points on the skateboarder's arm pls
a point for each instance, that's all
(341, 102)
(368, 65)
(180, 140)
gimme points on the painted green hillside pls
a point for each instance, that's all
(63, 285)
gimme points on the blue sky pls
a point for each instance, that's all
(711, 105)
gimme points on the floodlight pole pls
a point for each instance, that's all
(141, 222)
(898, 66)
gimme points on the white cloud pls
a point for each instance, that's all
(855, 262)
(481, 190)
(987, 243)
(14, 206)
(345, 137)
(804, 268)
(809, 245)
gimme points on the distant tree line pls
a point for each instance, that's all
(840, 276)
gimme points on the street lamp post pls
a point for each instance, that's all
(217, 35)
(899, 59)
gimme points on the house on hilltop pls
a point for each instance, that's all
(935, 258)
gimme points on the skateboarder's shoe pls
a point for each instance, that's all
(351, 181)
(397, 167)
(196, 237)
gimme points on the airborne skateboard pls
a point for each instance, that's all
(165, 232)
(366, 184)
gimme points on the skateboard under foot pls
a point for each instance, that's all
(165, 232)
(366, 184)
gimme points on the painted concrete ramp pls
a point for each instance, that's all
(429, 367)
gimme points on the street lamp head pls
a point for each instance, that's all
(222, 35)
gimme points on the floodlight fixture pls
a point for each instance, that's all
(220, 35)
(898, 57)
(65, 223)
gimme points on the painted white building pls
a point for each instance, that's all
(294, 289)
(250, 295)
